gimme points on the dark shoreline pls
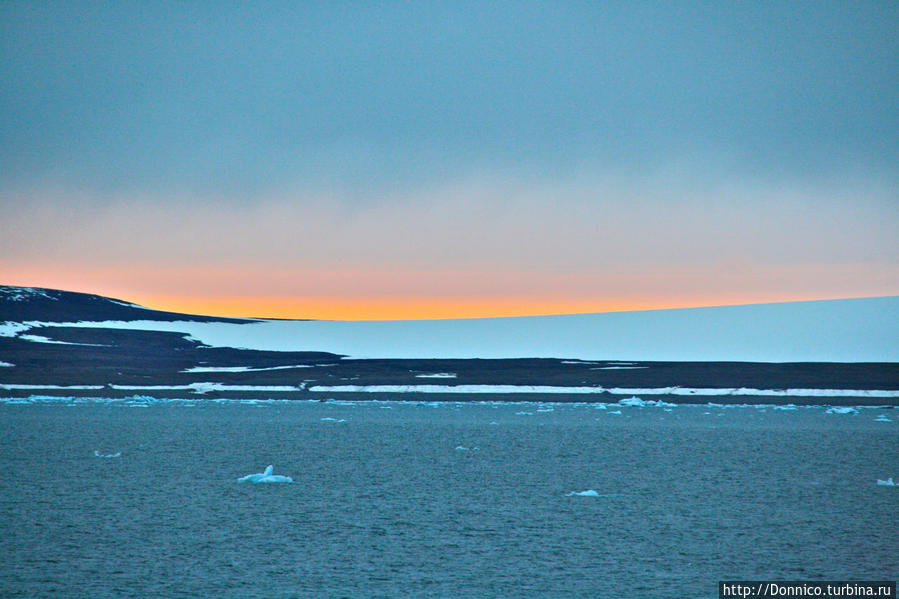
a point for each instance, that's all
(413, 397)
(110, 358)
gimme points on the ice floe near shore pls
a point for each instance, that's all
(886, 483)
(841, 410)
(643, 403)
(266, 476)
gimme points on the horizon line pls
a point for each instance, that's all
(454, 310)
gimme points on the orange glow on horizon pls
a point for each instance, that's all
(415, 309)
(392, 296)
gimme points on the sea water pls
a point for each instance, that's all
(438, 499)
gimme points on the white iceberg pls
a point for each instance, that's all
(841, 410)
(886, 483)
(882, 418)
(587, 493)
(265, 477)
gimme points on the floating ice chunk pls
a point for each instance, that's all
(6, 364)
(265, 477)
(616, 412)
(437, 375)
(463, 448)
(789, 406)
(107, 455)
(886, 483)
(637, 402)
(882, 418)
(329, 419)
(841, 410)
(587, 493)
(524, 413)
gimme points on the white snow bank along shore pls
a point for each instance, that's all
(680, 391)
(853, 330)
(241, 368)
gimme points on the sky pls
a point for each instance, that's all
(357, 160)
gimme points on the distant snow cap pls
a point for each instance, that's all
(21, 294)
(783, 332)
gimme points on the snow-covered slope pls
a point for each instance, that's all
(853, 330)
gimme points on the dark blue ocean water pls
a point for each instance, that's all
(389, 504)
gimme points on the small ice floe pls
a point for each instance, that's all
(107, 455)
(6, 364)
(265, 477)
(789, 406)
(616, 412)
(587, 493)
(463, 448)
(524, 413)
(882, 418)
(841, 410)
(329, 419)
(886, 483)
(641, 403)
